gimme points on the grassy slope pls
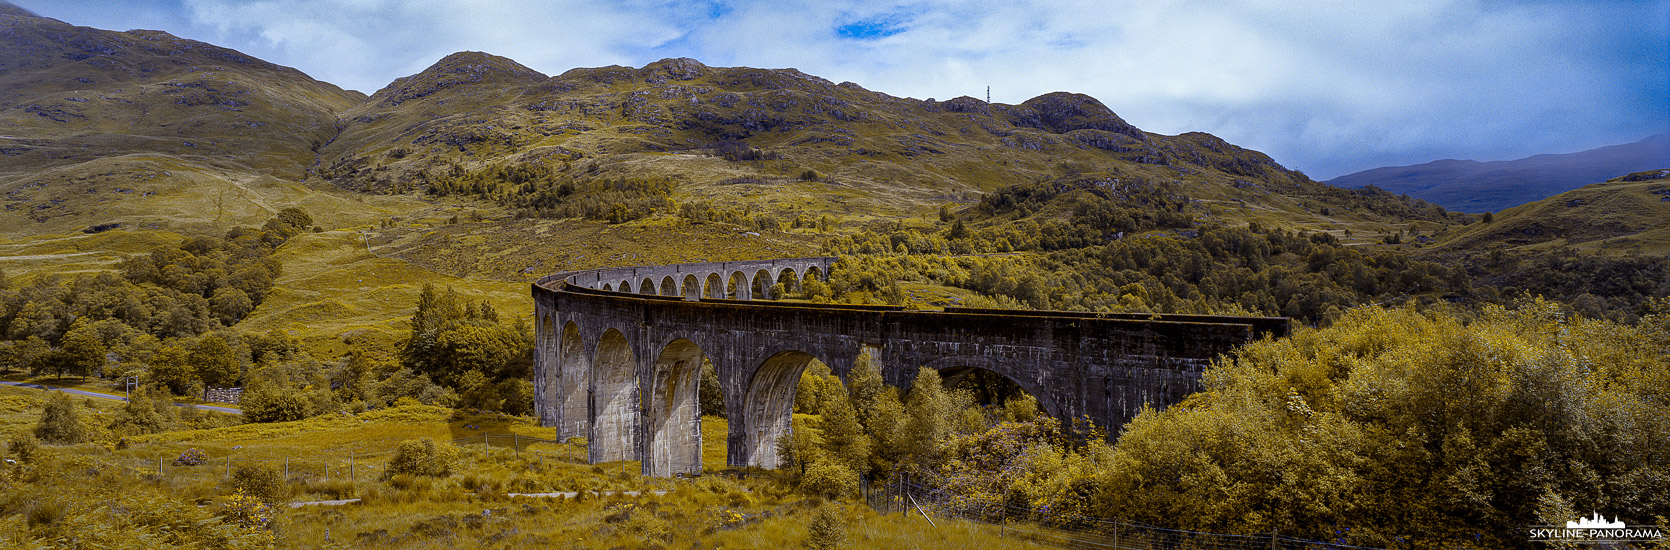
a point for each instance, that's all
(469, 509)
(1610, 217)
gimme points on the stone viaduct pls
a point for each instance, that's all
(619, 352)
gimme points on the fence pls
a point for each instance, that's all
(1073, 531)
(349, 465)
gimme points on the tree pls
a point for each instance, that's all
(844, 440)
(60, 422)
(214, 361)
(709, 394)
(230, 305)
(929, 415)
(149, 410)
(171, 367)
(81, 352)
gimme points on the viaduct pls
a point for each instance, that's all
(619, 352)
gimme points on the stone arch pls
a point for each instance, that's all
(647, 286)
(571, 389)
(950, 366)
(790, 281)
(673, 412)
(669, 286)
(626, 287)
(614, 394)
(768, 406)
(738, 286)
(606, 287)
(692, 288)
(812, 274)
(715, 287)
(761, 288)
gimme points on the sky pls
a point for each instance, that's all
(1328, 87)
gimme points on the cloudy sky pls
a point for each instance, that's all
(1325, 86)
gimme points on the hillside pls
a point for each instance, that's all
(144, 129)
(1623, 214)
(1473, 186)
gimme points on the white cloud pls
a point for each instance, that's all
(1321, 85)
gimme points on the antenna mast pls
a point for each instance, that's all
(988, 95)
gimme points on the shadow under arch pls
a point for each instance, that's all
(762, 285)
(951, 368)
(738, 288)
(626, 287)
(647, 286)
(572, 385)
(674, 413)
(768, 407)
(614, 392)
(692, 287)
(715, 287)
(669, 287)
(547, 380)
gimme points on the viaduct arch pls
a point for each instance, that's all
(621, 368)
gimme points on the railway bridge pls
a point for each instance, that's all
(619, 353)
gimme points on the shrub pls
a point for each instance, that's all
(260, 481)
(23, 446)
(60, 423)
(192, 457)
(273, 403)
(421, 457)
(828, 528)
(829, 479)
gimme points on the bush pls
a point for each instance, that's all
(191, 457)
(828, 528)
(60, 423)
(23, 446)
(260, 481)
(273, 403)
(421, 457)
(829, 479)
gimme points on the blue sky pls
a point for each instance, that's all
(1323, 86)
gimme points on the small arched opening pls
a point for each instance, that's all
(812, 274)
(761, 288)
(669, 286)
(789, 282)
(692, 287)
(647, 286)
(715, 287)
(738, 286)
(607, 288)
(626, 287)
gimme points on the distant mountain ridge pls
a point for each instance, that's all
(1473, 186)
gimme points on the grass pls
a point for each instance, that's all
(469, 509)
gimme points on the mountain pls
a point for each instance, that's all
(1473, 186)
(99, 123)
(782, 141)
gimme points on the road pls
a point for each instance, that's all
(97, 395)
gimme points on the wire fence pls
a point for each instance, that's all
(1073, 531)
(349, 465)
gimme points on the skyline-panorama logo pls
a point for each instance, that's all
(1596, 529)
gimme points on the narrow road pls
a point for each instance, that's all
(97, 395)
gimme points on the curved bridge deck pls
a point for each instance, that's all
(619, 354)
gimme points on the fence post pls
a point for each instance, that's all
(159, 466)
